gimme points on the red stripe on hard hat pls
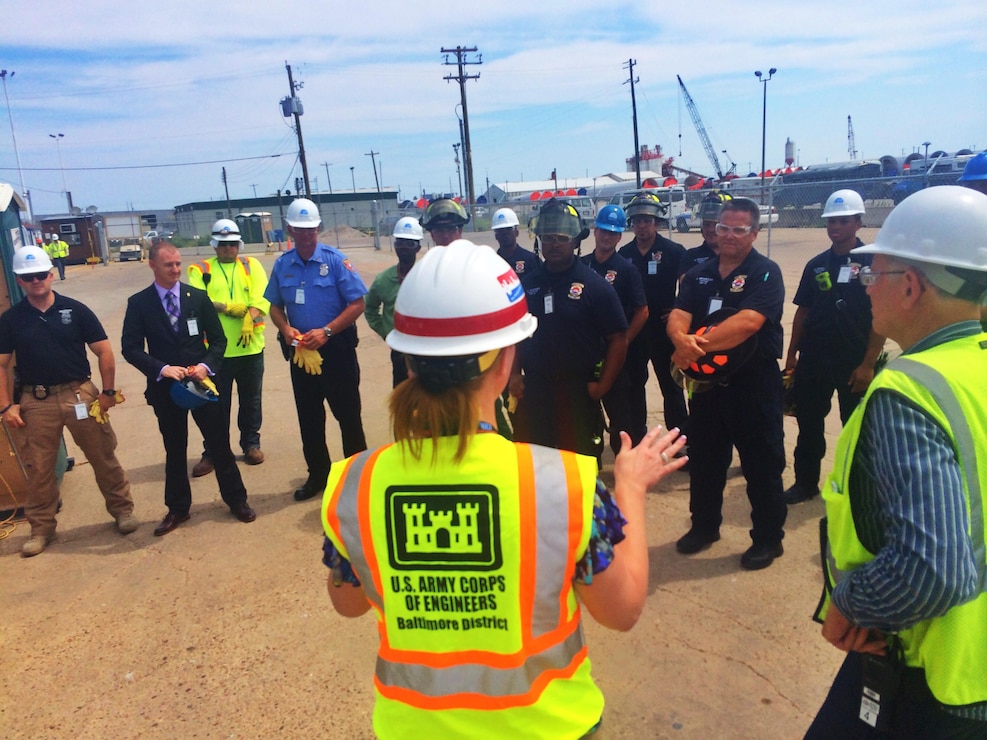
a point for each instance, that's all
(460, 326)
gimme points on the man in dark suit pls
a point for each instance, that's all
(175, 321)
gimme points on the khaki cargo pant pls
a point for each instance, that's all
(44, 420)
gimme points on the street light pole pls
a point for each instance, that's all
(353, 177)
(327, 165)
(926, 144)
(764, 119)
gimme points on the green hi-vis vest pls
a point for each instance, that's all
(949, 383)
(469, 567)
(235, 291)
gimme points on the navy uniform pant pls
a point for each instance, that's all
(248, 374)
(560, 414)
(816, 379)
(916, 715)
(745, 414)
(658, 351)
(339, 386)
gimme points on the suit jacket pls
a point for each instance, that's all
(148, 342)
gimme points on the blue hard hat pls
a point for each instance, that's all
(188, 394)
(976, 168)
(611, 218)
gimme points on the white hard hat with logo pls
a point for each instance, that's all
(460, 300)
(504, 218)
(408, 228)
(941, 230)
(224, 230)
(844, 203)
(31, 259)
(303, 214)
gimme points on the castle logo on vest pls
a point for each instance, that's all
(443, 527)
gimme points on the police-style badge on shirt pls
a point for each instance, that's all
(737, 286)
(66, 315)
(576, 291)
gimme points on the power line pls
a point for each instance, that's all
(148, 166)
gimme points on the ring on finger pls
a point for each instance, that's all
(665, 459)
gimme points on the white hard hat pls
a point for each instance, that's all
(303, 214)
(843, 203)
(460, 300)
(408, 228)
(939, 227)
(504, 218)
(224, 230)
(31, 259)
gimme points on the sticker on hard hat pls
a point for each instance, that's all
(511, 285)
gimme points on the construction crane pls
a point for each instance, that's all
(701, 130)
(851, 144)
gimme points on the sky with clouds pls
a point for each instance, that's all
(154, 99)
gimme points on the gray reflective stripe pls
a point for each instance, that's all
(939, 387)
(349, 525)
(476, 678)
(552, 546)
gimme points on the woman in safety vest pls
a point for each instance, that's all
(476, 552)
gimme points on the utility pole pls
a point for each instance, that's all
(3, 76)
(296, 111)
(255, 189)
(226, 186)
(372, 154)
(461, 77)
(327, 165)
(637, 147)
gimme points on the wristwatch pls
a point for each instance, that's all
(328, 331)
(109, 392)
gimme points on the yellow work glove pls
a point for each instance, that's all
(97, 412)
(246, 331)
(207, 383)
(236, 310)
(308, 360)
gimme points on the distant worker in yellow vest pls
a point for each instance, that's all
(475, 552)
(236, 286)
(907, 595)
(57, 250)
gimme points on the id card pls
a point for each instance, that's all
(81, 412)
(715, 304)
(193, 327)
(549, 303)
(652, 267)
(846, 272)
(300, 296)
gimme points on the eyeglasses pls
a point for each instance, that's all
(32, 276)
(555, 239)
(723, 230)
(868, 276)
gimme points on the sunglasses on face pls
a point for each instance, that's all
(32, 276)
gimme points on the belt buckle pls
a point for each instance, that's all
(40, 392)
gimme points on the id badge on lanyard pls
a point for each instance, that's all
(715, 304)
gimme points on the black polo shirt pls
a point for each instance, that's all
(50, 346)
(696, 256)
(577, 310)
(624, 278)
(839, 317)
(756, 284)
(522, 261)
(659, 270)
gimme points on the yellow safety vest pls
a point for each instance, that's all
(951, 649)
(57, 248)
(469, 568)
(248, 291)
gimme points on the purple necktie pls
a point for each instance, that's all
(172, 306)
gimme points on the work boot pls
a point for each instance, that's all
(799, 493)
(203, 467)
(253, 456)
(759, 556)
(127, 523)
(36, 545)
(694, 540)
